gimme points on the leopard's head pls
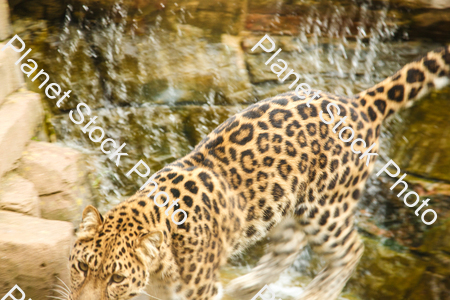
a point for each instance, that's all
(112, 257)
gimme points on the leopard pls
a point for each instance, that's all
(275, 170)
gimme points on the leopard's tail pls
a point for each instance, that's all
(410, 83)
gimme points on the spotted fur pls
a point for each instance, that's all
(275, 168)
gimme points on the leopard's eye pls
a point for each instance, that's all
(117, 278)
(82, 266)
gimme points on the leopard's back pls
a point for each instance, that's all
(279, 158)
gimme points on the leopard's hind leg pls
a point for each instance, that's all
(287, 240)
(342, 249)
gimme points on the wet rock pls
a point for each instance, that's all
(163, 68)
(423, 18)
(19, 195)
(270, 89)
(436, 22)
(277, 6)
(384, 273)
(233, 7)
(286, 43)
(430, 4)
(153, 134)
(433, 286)
(39, 9)
(422, 147)
(437, 240)
(141, 11)
(191, 71)
(201, 120)
(20, 116)
(80, 75)
(216, 17)
(387, 271)
(429, 19)
(399, 230)
(33, 253)
(59, 175)
(217, 23)
(312, 18)
(277, 25)
(435, 249)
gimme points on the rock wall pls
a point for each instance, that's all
(232, 17)
(43, 186)
(162, 92)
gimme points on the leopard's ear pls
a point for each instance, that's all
(90, 225)
(148, 245)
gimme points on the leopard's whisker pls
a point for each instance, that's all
(61, 292)
(54, 297)
(67, 289)
(60, 287)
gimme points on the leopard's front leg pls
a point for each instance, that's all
(199, 271)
